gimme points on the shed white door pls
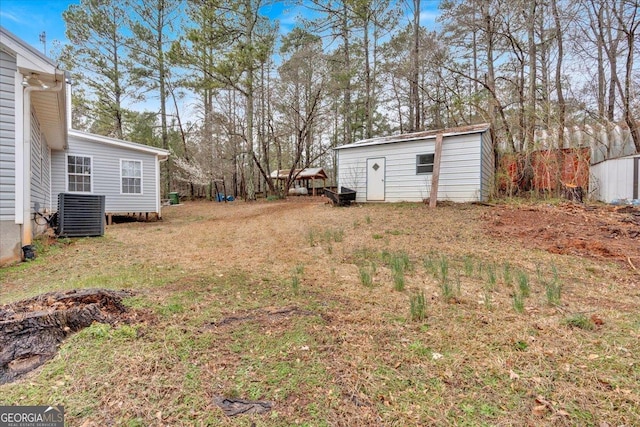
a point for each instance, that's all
(375, 179)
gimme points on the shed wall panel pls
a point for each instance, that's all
(460, 173)
(612, 180)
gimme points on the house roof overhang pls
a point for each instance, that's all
(48, 97)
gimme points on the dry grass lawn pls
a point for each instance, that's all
(381, 315)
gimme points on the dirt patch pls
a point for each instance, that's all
(597, 232)
(32, 329)
(262, 316)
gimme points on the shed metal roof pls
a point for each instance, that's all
(414, 136)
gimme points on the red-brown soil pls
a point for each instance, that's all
(597, 232)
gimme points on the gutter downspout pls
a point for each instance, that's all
(158, 199)
(27, 229)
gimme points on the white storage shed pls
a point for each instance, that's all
(399, 168)
(616, 179)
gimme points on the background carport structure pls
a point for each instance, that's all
(302, 177)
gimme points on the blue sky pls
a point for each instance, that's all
(29, 18)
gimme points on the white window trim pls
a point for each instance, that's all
(424, 164)
(66, 174)
(141, 177)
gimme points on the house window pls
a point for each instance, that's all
(79, 174)
(131, 176)
(424, 163)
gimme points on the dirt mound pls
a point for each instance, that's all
(601, 232)
(32, 329)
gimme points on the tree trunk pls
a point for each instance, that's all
(251, 193)
(348, 136)
(562, 108)
(530, 108)
(415, 70)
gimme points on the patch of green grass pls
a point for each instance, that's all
(491, 276)
(137, 302)
(377, 236)
(367, 219)
(520, 345)
(398, 261)
(172, 308)
(468, 265)
(553, 292)
(430, 264)
(419, 349)
(518, 302)
(418, 307)
(295, 284)
(579, 321)
(506, 273)
(326, 238)
(487, 300)
(365, 255)
(398, 281)
(447, 290)
(539, 275)
(480, 270)
(311, 237)
(365, 277)
(394, 232)
(523, 284)
(275, 374)
(334, 235)
(444, 270)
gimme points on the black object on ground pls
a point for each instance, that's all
(233, 407)
(343, 198)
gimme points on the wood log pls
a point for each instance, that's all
(31, 330)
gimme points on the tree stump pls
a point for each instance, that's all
(31, 330)
(572, 192)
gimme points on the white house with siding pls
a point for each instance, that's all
(128, 174)
(616, 179)
(40, 157)
(399, 168)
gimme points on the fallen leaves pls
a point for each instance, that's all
(543, 407)
(539, 410)
(597, 320)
